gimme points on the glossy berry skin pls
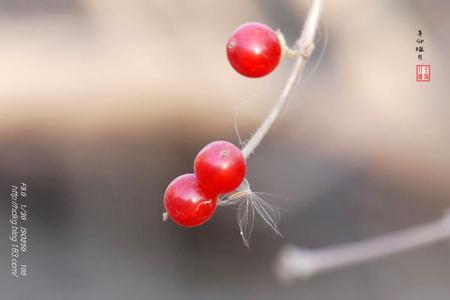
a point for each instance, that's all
(220, 167)
(187, 204)
(254, 50)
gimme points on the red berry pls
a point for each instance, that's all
(220, 167)
(187, 204)
(254, 50)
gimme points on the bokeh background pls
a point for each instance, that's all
(103, 103)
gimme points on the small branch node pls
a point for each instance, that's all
(294, 262)
(308, 51)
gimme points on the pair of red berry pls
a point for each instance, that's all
(191, 199)
(253, 50)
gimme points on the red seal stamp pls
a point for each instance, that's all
(423, 73)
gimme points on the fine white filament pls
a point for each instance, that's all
(248, 205)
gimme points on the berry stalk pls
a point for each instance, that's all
(305, 47)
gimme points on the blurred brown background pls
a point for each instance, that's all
(103, 103)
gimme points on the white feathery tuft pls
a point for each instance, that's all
(248, 204)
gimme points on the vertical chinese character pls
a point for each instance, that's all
(423, 72)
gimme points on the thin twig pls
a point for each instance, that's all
(305, 46)
(295, 262)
